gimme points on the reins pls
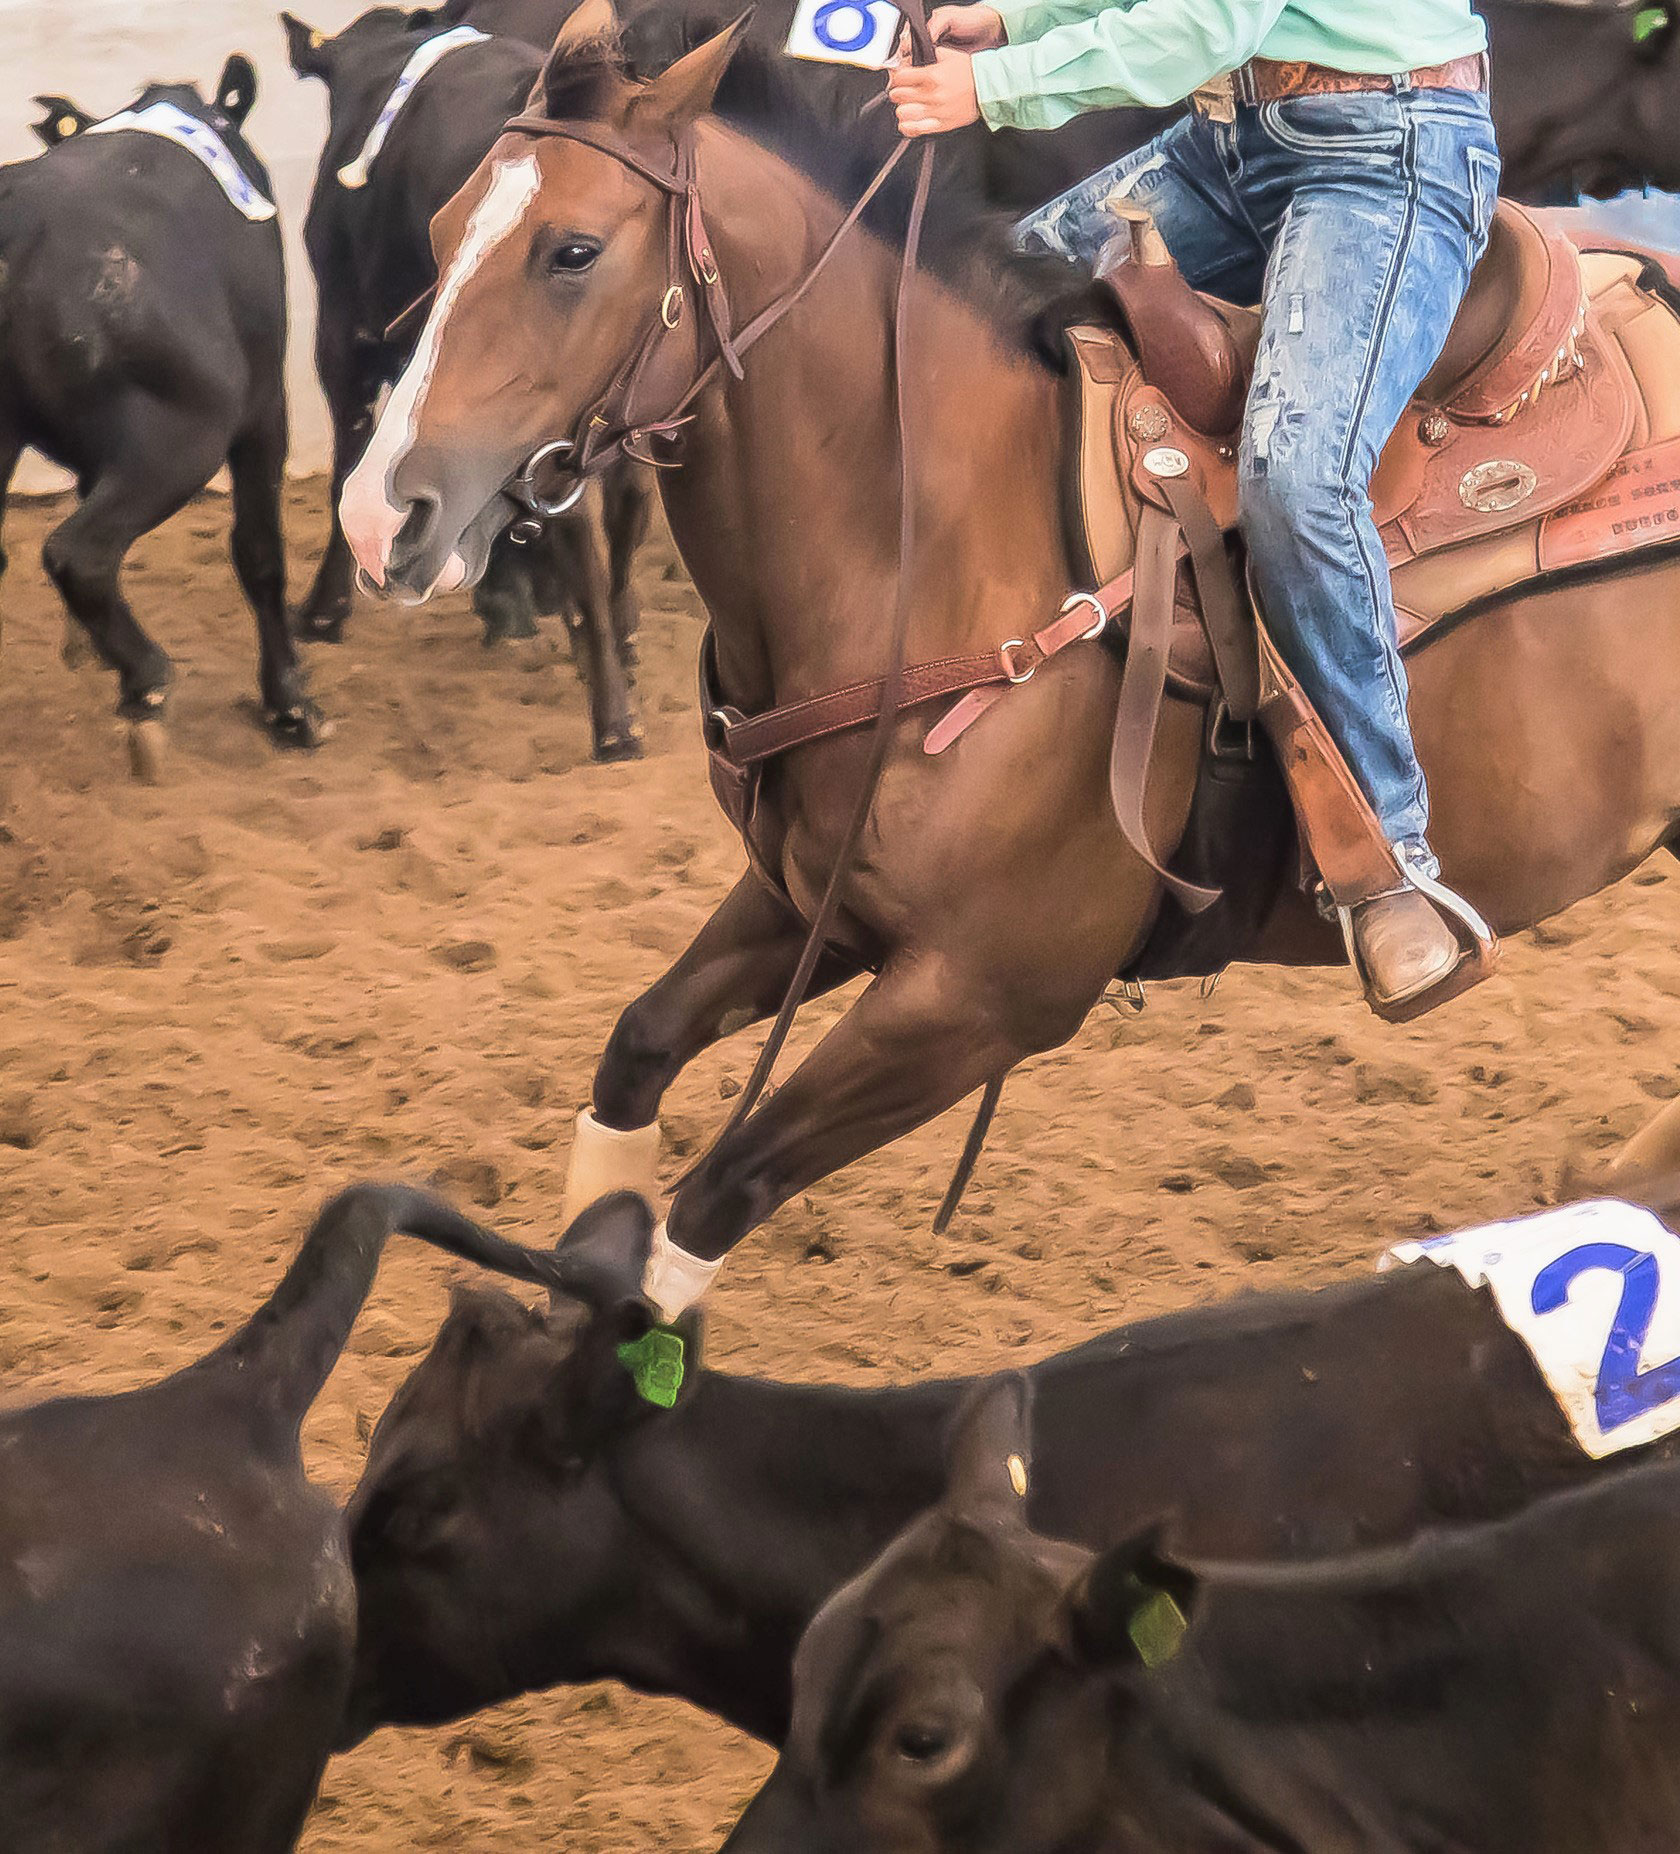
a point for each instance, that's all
(610, 426)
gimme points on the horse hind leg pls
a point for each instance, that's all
(257, 462)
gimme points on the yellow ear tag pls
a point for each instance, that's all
(67, 126)
(1018, 1476)
(1157, 1629)
(316, 41)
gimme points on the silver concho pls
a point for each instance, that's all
(1166, 462)
(1149, 424)
(1497, 485)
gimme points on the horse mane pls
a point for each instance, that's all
(813, 116)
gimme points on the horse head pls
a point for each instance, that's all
(557, 279)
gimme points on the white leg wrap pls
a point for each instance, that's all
(605, 1160)
(675, 1280)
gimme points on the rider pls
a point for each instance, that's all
(1337, 165)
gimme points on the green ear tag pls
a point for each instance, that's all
(1649, 21)
(655, 1364)
(1157, 1629)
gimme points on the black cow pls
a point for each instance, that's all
(370, 248)
(526, 1519)
(142, 346)
(1584, 97)
(1506, 1689)
(176, 1606)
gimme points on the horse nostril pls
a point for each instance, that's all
(418, 527)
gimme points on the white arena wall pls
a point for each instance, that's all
(101, 52)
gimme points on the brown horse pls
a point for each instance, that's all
(993, 898)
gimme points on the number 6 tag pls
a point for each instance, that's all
(860, 32)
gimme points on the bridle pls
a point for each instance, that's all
(665, 366)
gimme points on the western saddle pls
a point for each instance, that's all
(1546, 436)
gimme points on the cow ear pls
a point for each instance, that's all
(1653, 33)
(989, 1451)
(306, 48)
(1134, 1605)
(684, 92)
(603, 1260)
(236, 89)
(62, 122)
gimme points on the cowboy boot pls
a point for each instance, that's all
(1412, 942)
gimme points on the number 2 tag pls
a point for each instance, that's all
(1593, 1291)
(860, 32)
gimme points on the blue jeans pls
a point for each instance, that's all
(1355, 222)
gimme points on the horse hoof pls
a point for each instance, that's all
(148, 750)
(301, 727)
(622, 744)
(319, 627)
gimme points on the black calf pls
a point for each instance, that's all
(526, 1518)
(1507, 1689)
(177, 1614)
(370, 247)
(142, 345)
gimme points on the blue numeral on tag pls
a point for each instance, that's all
(834, 37)
(1623, 1390)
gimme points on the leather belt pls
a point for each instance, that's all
(1266, 80)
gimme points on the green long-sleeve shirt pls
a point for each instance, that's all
(1066, 56)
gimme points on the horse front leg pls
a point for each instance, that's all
(735, 973)
(921, 1038)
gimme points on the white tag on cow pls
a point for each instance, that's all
(860, 32)
(354, 174)
(1593, 1291)
(200, 141)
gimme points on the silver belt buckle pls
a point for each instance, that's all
(1216, 100)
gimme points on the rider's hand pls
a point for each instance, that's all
(967, 28)
(963, 28)
(933, 98)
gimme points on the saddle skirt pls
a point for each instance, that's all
(1546, 436)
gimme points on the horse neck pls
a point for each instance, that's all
(786, 509)
(750, 1541)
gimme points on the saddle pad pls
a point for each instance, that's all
(1593, 1291)
(354, 174)
(202, 143)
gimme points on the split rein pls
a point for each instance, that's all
(609, 428)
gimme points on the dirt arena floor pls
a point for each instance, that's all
(224, 997)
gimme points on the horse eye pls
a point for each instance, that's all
(920, 1742)
(573, 256)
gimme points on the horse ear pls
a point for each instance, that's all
(62, 122)
(582, 69)
(686, 91)
(988, 1453)
(305, 47)
(236, 89)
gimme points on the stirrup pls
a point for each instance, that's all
(1478, 956)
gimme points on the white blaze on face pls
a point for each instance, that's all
(368, 508)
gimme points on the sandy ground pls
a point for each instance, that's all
(223, 997)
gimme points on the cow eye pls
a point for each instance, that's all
(920, 1741)
(572, 256)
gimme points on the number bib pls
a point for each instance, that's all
(860, 32)
(1593, 1291)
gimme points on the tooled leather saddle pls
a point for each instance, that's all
(1547, 436)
